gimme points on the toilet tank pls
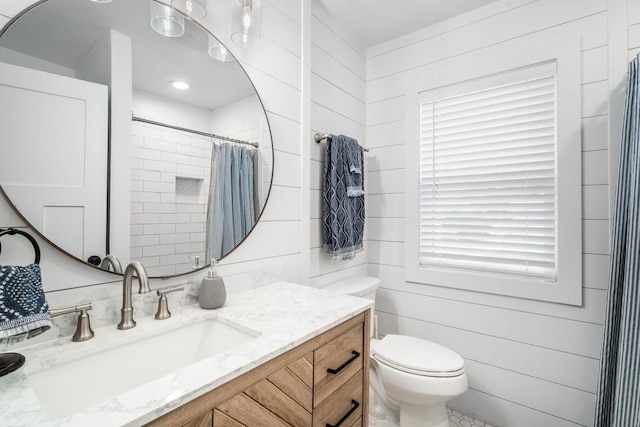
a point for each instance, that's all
(357, 286)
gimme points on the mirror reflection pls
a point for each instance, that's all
(125, 142)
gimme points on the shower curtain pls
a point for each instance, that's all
(618, 398)
(230, 209)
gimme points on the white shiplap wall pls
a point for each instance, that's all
(529, 363)
(275, 69)
(337, 83)
(633, 28)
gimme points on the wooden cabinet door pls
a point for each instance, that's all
(282, 399)
(204, 420)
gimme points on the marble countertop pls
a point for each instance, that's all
(284, 315)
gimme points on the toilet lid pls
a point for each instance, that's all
(418, 356)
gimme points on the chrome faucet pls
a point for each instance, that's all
(126, 316)
(113, 261)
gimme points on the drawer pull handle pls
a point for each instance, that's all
(343, 419)
(345, 364)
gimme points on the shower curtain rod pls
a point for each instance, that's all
(320, 136)
(197, 132)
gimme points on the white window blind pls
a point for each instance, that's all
(488, 178)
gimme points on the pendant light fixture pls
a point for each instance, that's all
(218, 51)
(245, 26)
(166, 21)
(192, 9)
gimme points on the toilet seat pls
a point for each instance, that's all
(417, 356)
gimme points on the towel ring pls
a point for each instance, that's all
(14, 231)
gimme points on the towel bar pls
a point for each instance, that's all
(320, 136)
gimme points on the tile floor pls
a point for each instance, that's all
(456, 419)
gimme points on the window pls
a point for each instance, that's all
(487, 178)
(496, 206)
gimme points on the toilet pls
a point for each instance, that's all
(411, 379)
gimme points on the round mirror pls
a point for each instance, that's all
(129, 133)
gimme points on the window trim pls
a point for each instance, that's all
(568, 288)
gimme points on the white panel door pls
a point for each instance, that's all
(53, 161)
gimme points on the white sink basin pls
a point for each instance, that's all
(73, 385)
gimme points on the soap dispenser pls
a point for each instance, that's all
(212, 291)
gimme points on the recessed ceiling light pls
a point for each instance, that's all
(180, 84)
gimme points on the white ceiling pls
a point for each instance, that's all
(63, 31)
(377, 21)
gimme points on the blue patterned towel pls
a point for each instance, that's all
(342, 198)
(354, 157)
(23, 307)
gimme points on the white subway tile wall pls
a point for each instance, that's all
(177, 196)
(174, 177)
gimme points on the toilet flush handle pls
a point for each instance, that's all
(345, 364)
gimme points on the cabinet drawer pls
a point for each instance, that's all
(344, 407)
(336, 362)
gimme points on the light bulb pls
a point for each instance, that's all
(247, 17)
(246, 24)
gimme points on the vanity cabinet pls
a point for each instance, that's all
(322, 382)
(283, 398)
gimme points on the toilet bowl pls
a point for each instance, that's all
(411, 379)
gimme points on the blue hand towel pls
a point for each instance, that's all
(354, 158)
(23, 307)
(343, 198)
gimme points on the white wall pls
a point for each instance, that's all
(240, 120)
(529, 363)
(16, 58)
(275, 69)
(161, 109)
(337, 107)
(633, 28)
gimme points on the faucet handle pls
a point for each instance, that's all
(196, 262)
(83, 328)
(163, 305)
